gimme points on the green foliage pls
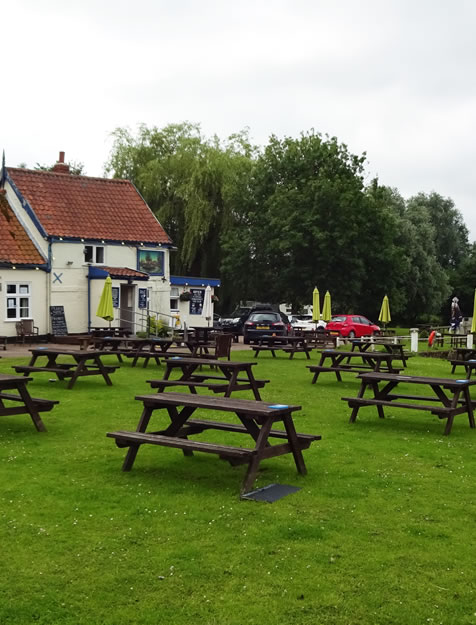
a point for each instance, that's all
(275, 222)
(156, 327)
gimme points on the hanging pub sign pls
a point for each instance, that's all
(196, 301)
(115, 297)
(142, 298)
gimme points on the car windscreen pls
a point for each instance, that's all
(264, 317)
(338, 319)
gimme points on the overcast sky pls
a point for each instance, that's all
(393, 78)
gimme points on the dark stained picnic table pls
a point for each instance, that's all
(85, 363)
(289, 344)
(450, 397)
(21, 402)
(340, 362)
(255, 419)
(389, 346)
(134, 347)
(235, 376)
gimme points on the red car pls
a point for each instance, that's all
(352, 326)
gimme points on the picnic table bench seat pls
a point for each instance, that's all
(41, 405)
(441, 411)
(220, 385)
(62, 370)
(350, 368)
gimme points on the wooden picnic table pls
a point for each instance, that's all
(462, 356)
(85, 363)
(450, 397)
(389, 347)
(235, 376)
(134, 347)
(289, 344)
(341, 362)
(21, 401)
(102, 331)
(256, 419)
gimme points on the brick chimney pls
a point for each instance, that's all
(61, 167)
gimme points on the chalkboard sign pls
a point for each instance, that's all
(142, 298)
(58, 321)
(196, 301)
(115, 297)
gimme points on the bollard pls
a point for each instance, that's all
(414, 340)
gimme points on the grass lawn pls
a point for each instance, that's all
(381, 531)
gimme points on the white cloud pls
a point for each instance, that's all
(394, 79)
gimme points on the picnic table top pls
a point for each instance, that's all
(9, 378)
(69, 352)
(348, 354)
(229, 364)
(249, 407)
(416, 379)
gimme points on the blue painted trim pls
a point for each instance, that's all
(88, 241)
(29, 211)
(188, 281)
(43, 267)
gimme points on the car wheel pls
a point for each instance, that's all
(351, 334)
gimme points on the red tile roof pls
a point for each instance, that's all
(16, 246)
(92, 208)
(124, 272)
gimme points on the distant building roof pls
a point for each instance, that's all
(119, 273)
(16, 247)
(72, 206)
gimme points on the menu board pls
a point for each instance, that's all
(142, 298)
(196, 301)
(58, 321)
(115, 297)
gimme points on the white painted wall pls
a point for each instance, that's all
(38, 285)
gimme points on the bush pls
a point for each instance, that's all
(156, 327)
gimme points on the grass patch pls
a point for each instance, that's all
(380, 532)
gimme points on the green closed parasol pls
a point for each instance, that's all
(316, 307)
(105, 309)
(326, 309)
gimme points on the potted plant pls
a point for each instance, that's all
(215, 299)
(185, 296)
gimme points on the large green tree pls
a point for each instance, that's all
(190, 182)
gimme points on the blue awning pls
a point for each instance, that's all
(189, 281)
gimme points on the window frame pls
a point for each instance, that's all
(18, 297)
(95, 249)
(174, 297)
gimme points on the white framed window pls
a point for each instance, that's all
(18, 296)
(94, 254)
(174, 298)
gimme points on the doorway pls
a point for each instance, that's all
(127, 307)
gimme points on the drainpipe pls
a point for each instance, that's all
(48, 287)
(89, 301)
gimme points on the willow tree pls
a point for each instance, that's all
(189, 181)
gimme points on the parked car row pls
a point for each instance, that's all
(255, 321)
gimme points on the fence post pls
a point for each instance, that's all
(414, 340)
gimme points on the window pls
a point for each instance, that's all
(174, 298)
(94, 254)
(18, 300)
